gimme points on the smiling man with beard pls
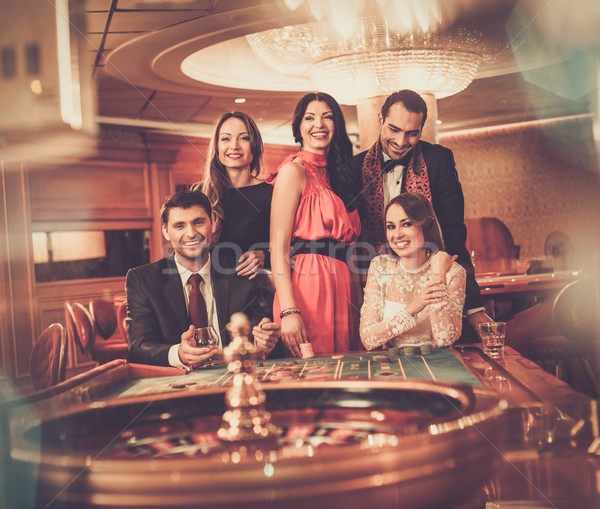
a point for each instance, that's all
(168, 299)
(400, 161)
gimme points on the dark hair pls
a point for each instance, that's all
(420, 211)
(184, 200)
(216, 179)
(343, 180)
(411, 101)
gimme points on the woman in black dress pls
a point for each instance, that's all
(241, 202)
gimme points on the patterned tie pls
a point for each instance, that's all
(197, 304)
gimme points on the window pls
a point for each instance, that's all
(65, 255)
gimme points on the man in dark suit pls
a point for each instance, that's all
(165, 298)
(400, 161)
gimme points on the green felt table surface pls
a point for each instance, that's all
(441, 365)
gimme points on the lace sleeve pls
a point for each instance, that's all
(446, 317)
(374, 331)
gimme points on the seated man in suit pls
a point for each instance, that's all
(167, 300)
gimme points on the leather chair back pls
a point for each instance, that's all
(491, 244)
(107, 320)
(121, 316)
(48, 361)
(104, 317)
(80, 326)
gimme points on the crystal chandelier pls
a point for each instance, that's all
(375, 60)
(403, 15)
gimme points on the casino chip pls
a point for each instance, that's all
(425, 348)
(392, 353)
(410, 351)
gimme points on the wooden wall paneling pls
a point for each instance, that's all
(7, 350)
(104, 224)
(130, 149)
(162, 185)
(189, 161)
(92, 191)
(274, 156)
(19, 331)
(171, 161)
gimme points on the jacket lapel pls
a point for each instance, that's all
(221, 296)
(174, 292)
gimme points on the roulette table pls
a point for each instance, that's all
(497, 284)
(518, 380)
(498, 289)
(451, 429)
(440, 365)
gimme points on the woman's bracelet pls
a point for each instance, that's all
(289, 311)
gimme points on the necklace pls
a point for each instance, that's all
(418, 269)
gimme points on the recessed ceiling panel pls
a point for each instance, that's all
(500, 96)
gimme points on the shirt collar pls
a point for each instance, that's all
(185, 274)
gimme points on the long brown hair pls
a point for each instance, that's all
(342, 179)
(216, 179)
(420, 211)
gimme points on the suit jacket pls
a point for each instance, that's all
(157, 313)
(448, 204)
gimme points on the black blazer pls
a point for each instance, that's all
(157, 314)
(449, 206)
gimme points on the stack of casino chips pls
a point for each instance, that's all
(306, 350)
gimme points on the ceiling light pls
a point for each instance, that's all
(36, 87)
(376, 60)
(240, 100)
(406, 15)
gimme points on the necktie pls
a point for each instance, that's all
(197, 304)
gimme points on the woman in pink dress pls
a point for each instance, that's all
(313, 221)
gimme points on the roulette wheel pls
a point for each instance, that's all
(337, 444)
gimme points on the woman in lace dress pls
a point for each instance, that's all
(414, 293)
(313, 213)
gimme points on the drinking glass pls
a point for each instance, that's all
(497, 380)
(493, 335)
(204, 337)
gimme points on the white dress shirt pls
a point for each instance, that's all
(206, 290)
(392, 181)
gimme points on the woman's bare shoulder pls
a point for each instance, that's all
(292, 172)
